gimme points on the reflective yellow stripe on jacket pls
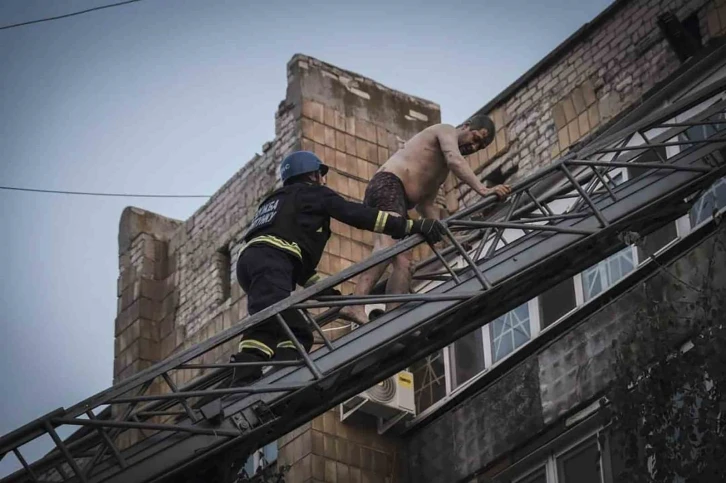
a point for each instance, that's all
(381, 220)
(276, 242)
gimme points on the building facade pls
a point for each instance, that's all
(537, 421)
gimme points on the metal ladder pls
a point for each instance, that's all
(480, 276)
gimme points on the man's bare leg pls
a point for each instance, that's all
(368, 279)
(400, 280)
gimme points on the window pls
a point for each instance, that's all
(537, 477)
(510, 331)
(556, 302)
(585, 461)
(581, 463)
(429, 381)
(460, 363)
(602, 276)
(691, 25)
(655, 155)
(713, 199)
(261, 459)
(466, 357)
(657, 240)
(683, 37)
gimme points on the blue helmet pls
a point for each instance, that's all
(301, 162)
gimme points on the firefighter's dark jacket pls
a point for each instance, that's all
(296, 219)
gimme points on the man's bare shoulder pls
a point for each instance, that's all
(440, 128)
(432, 133)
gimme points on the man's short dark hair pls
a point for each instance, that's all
(482, 121)
(300, 178)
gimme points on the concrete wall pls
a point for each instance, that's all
(602, 74)
(477, 439)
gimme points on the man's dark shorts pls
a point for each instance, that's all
(385, 192)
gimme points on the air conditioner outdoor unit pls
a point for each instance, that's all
(390, 401)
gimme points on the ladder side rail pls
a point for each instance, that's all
(107, 396)
(339, 351)
(293, 422)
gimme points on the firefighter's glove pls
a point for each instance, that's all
(328, 291)
(432, 230)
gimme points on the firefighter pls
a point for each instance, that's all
(283, 246)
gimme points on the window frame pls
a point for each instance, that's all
(682, 225)
(553, 451)
(256, 459)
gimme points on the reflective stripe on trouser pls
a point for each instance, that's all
(267, 275)
(287, 344)
(247, 345)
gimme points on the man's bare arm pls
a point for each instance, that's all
(448, 141)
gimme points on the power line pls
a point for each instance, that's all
(90, 193)
(68, 14)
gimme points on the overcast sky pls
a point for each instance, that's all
(173, 97)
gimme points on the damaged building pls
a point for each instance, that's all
(517, 397)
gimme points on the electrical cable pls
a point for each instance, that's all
(90, 193)
(68, 14)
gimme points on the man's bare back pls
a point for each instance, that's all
(425, 160)
(420, 165)
(418, 171)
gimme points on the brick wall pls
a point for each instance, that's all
(353, 124)
(591, 82)
(328, 450)
(177, 285)
(144, 290)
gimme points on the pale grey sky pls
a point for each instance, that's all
(165, 96)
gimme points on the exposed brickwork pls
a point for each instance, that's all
(354, 148)
(146, 298)
(575, 116)
(715, 20)
(328, 450)
(177, 285)
(616, 64)
(354, 134)
(144, 291)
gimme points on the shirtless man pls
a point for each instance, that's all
(412, 178)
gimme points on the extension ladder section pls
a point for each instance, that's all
(498, 256)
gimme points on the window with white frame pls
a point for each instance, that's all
(444, 372)
(511, 331)
(557, 302)
(715, 197)
(430, 382)
(584, 461)
(606, 273)
(261, 459)
(474, 353)
(466, 357)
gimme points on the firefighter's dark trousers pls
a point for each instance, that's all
(267, 275)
